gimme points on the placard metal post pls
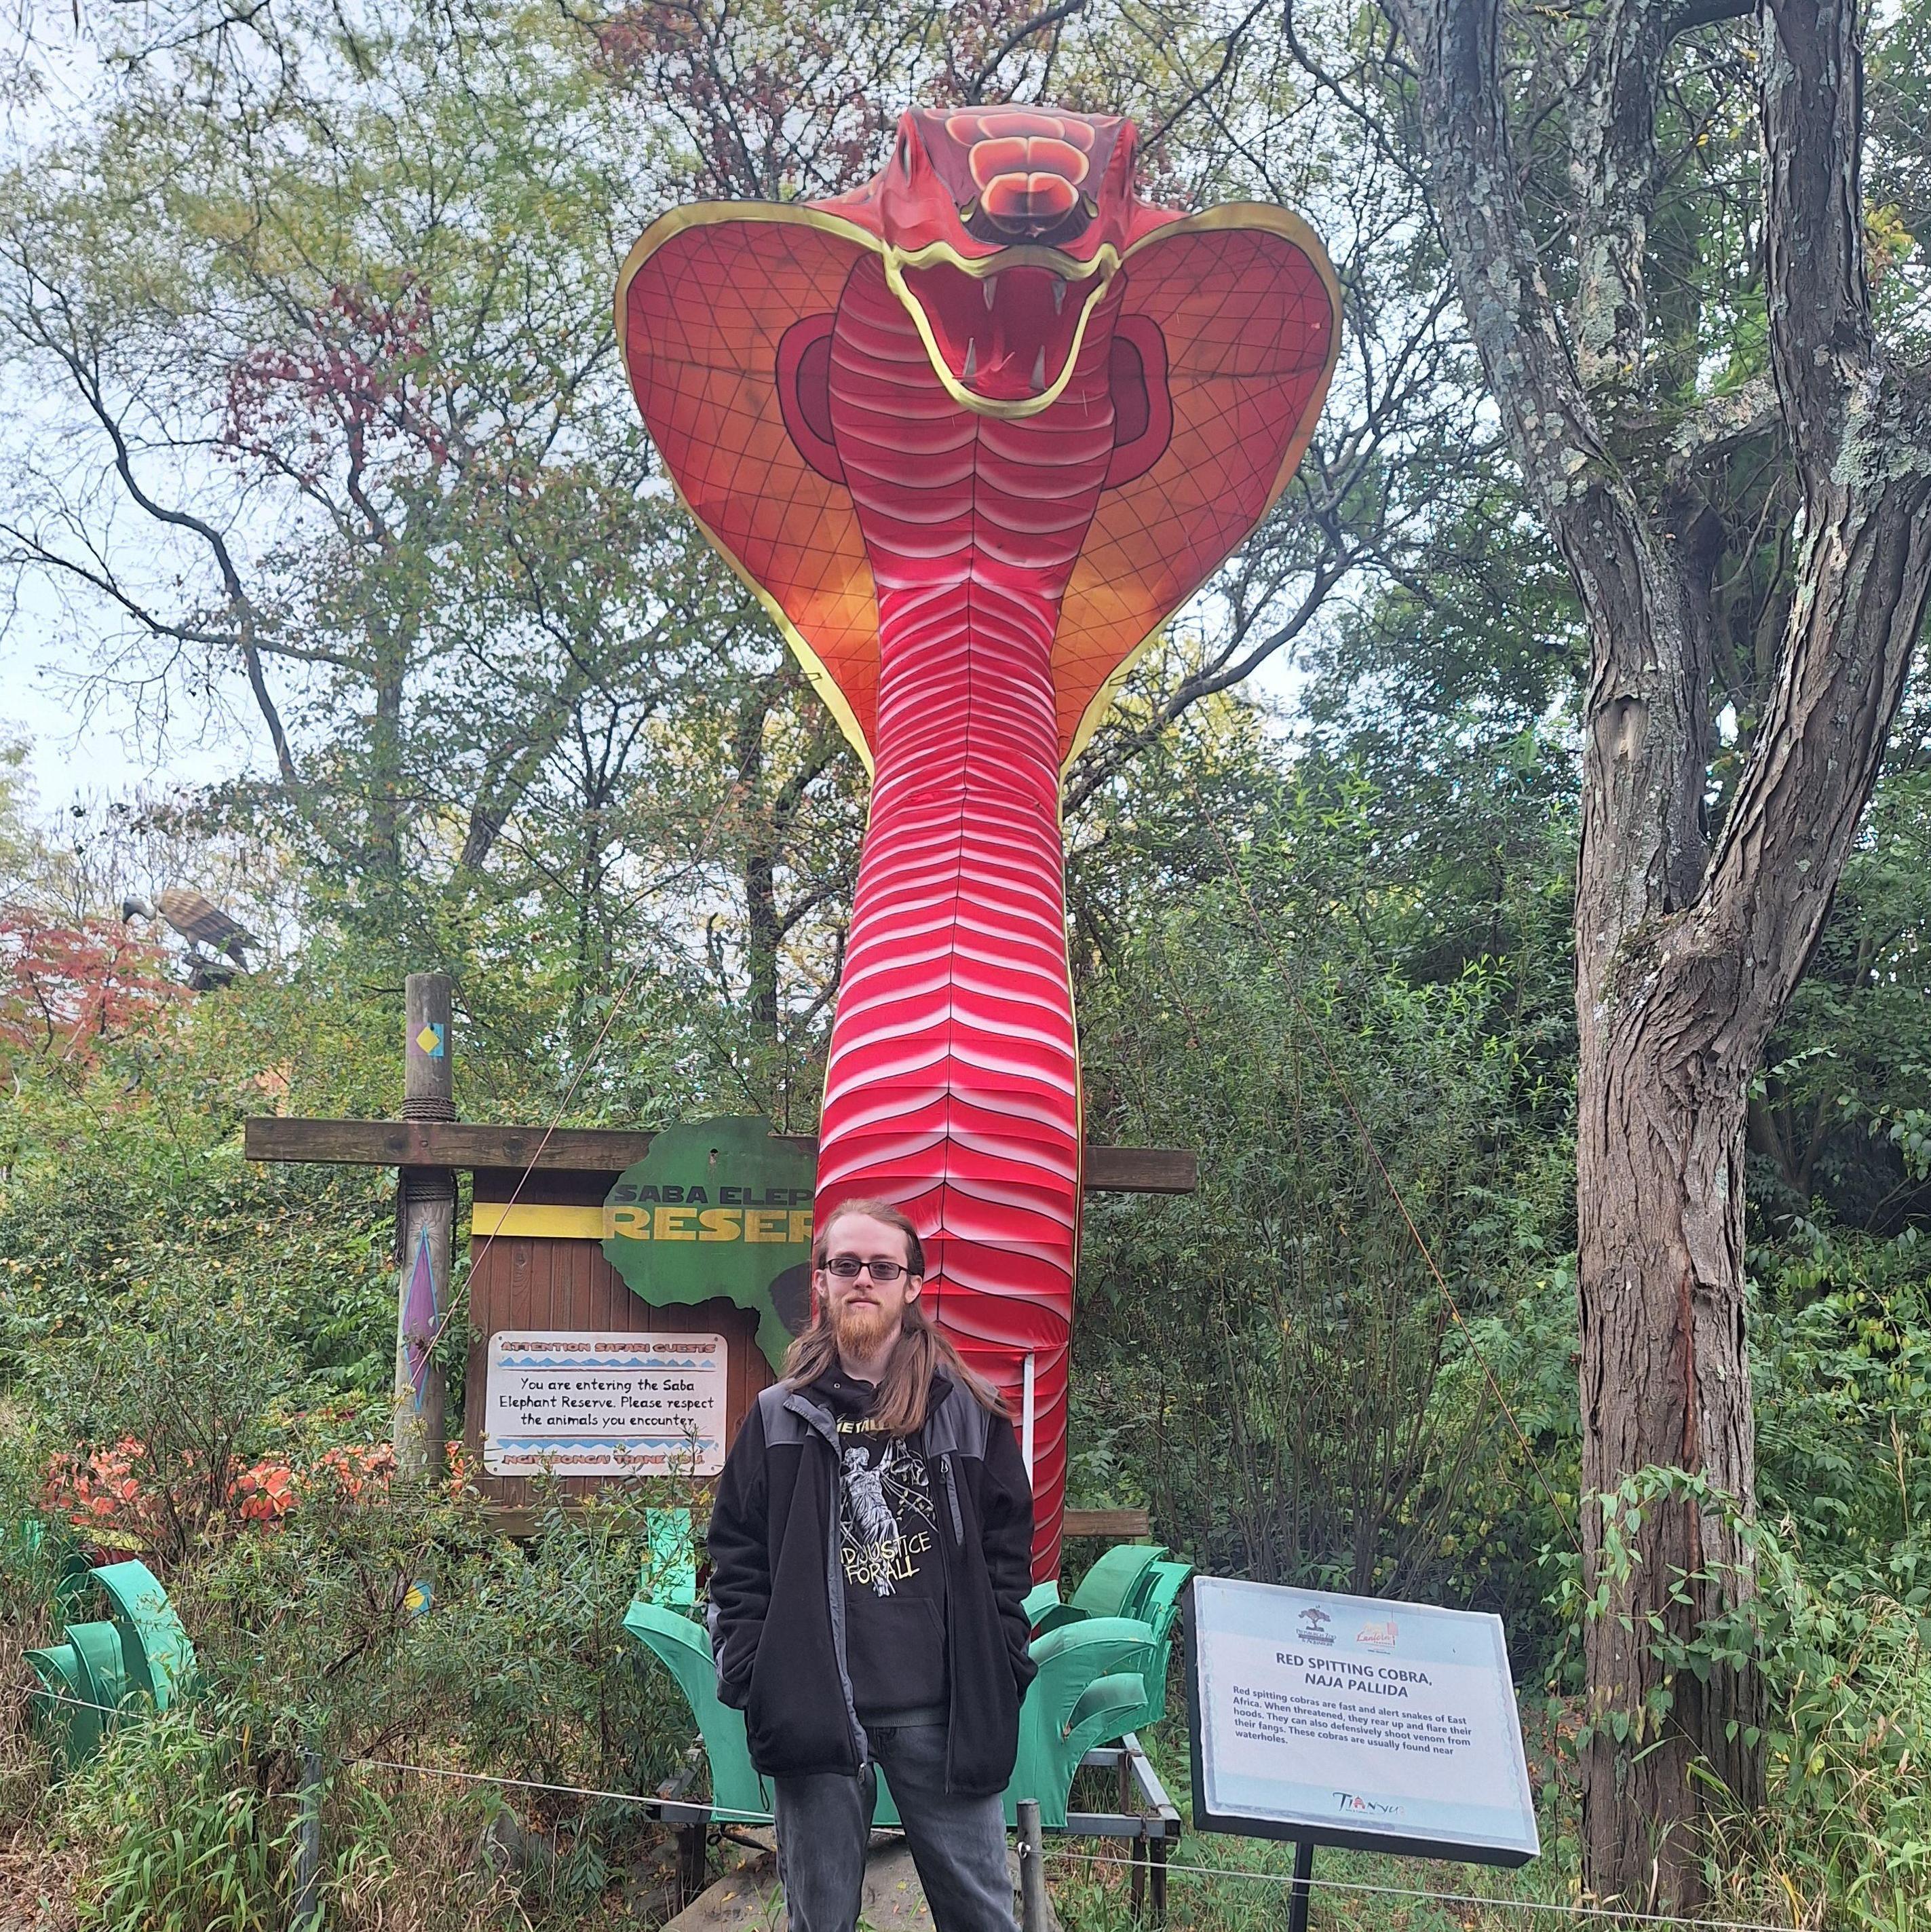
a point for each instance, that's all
(1303, 1889)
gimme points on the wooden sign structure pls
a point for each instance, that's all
(544, 1223)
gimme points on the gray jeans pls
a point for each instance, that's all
(958, 1844)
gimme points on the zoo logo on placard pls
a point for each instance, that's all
(1350, 1801)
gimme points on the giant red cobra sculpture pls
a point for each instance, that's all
(972, 432)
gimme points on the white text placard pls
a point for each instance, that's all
(586, 1404)
(1357, 1719)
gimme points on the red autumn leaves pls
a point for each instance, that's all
(115, 1500)
(1028, 166)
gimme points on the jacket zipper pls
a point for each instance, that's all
(952, 1497)
(835, 1587)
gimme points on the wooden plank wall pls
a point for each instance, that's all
(520, 1282)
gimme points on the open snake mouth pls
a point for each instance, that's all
(1003, 331)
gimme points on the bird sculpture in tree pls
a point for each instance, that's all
(971, 433)
(201, 922)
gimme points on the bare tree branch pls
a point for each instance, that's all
(1024, 32)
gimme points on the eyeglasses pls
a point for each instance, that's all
(849, 1267)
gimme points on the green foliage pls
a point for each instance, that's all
(127, 1190)
(1305, 1413)
(1844, 1657)
(1504, 1529)
(181, 1837)
(1841, 1366)
(573, 1698)
(313, 1637)
(192, 1383)
(342, 281)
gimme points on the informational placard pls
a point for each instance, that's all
(1357, 1720)
(584, 1404)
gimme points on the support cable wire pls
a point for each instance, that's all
(1064, 1855)
(1374, 1152)
(721, 1811)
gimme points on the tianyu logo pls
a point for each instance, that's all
(1379, 1808)
(1314, 1621)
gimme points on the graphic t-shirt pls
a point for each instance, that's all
(894, 1570)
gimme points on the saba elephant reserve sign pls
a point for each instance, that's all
(719, 1207)
(578, 1403)
(1356, 1721)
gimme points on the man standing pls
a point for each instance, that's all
(870, 1552)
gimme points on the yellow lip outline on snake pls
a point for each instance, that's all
(1100, 270)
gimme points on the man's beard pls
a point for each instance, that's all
(862, 1330)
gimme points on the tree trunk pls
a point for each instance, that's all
(1685, 957)
(1666, 1384)
(761, 932)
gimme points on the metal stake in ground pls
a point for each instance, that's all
(1303, 1891)
(308, 1916)
(1032, 1869)
(426, 1222)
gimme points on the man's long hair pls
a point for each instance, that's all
(922, 1351)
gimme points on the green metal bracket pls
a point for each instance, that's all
(1099, 1676)
(1109, 1588)
(683, 1647)
(160, 1659)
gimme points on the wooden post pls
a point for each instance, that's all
(426, 1211)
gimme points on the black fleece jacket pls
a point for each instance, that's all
(778, 1600)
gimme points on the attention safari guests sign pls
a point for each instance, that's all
(577, 1403)
(719, 1208)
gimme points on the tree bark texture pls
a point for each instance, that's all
(1686, 956)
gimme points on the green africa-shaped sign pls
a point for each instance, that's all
(719, 1208)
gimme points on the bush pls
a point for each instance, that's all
(179, 1834)
(167, 1408)
(1841, 1368)
(1845, 1659)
